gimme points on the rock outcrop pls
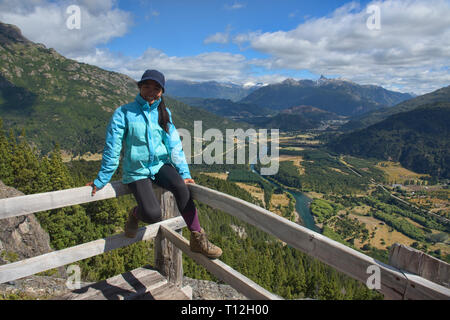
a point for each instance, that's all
(209, 290)
(10, 34)
(20, 237)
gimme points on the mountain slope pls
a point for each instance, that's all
(418, 139)
(338, 96)
(377, 94)
(59, 100)
(365, 120)
(207, 89)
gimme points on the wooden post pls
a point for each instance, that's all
(168, 258)
(420, 263)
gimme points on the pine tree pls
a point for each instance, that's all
(6, 173)
(58, 173)
(106, 215)
(26, 166)
(42, 176)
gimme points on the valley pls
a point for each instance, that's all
(403, 185)
(345, 214)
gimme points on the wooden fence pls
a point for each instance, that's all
(394, 283)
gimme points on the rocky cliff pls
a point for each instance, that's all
(20, 237)
(11, 34)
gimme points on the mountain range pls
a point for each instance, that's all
(337, 96)
(334, 95)
(369, 118)
(208, 89)
(415, 133)
(419, 139)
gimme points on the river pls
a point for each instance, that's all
(302, 203)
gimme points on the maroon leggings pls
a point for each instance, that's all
(149, 210)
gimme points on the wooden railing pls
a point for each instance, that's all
(394, 283)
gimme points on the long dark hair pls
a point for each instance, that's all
(163, 116)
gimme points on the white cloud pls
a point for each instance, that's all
(410, 51)
(203, 67)
(219, 37)
(45, 22)
(234, 6)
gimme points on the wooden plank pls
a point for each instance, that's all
(22, 205)
(420, 263)
(393, 283)
(168, 291)
(168, 258)
(221, 270)
(126, 286)
(27, 267)
(420, 288)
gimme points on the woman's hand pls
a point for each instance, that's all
(94, 188)
(189, 181)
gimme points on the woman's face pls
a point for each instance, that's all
(151, 91)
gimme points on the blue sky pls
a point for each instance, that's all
(401, 45)
(180, 27)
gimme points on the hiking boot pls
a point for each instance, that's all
(200, 243)
(131, 226)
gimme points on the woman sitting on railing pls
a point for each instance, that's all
(153, 150)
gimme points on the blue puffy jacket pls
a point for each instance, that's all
(147, 146)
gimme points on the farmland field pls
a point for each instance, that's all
(398, 174)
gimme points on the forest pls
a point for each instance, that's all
(325, 174)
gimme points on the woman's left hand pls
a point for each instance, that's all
(189, 181)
